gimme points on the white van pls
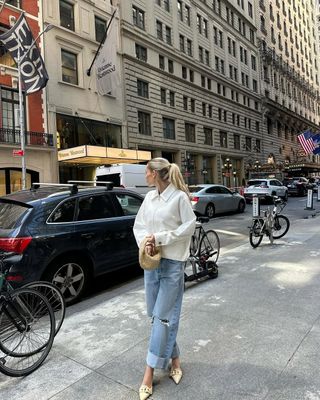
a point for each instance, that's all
(130, 176)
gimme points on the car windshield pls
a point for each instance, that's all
(195, 189)
(257, 183)
(11, 214)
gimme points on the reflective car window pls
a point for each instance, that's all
(224, 190)
(129, 204)
(195, 189)
(95, 207)
(257, 183)
(213, 189)
(11, 215)
(64, 212)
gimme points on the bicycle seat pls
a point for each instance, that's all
(203, 219)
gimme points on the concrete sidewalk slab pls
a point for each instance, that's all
(253, 333)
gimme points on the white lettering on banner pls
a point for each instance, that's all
(19, 42)
(107, 66)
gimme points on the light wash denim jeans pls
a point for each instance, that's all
(164, 291)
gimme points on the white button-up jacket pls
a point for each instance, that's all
(170, 218)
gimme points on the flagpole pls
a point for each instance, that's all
(101, 43)
(21, 123)
(21, 108)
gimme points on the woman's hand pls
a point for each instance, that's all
(150, 245)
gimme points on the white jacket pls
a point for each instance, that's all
(170, 218)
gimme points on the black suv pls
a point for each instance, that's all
(67, 234)
(297, 185)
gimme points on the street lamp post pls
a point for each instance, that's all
(228, 166)
(21, 110)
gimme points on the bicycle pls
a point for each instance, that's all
(204, 253)
(27, 328)
(272, 224)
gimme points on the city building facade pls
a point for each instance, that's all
(39, 150)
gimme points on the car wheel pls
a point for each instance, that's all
(70, 275)
(210, 210)
(241, 206)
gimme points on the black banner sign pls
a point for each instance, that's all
(19, 39)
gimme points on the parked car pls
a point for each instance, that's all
(297, 185)
(211, 199)
(67, 235)
(265, 189)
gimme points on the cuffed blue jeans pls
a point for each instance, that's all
(164, 288)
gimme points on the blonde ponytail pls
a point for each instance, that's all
(168, 172)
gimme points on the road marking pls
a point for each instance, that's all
(228, 232)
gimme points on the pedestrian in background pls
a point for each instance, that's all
(167, 220)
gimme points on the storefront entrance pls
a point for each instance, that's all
(10, 180)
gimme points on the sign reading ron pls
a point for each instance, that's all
(19, 42)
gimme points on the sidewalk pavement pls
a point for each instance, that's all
(253, 333)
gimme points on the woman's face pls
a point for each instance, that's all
(150, 177)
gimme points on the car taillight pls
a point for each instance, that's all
(15, 245)
(194, 199)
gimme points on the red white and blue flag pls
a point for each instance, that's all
(310, 142)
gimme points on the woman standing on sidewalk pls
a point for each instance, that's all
(167, 220)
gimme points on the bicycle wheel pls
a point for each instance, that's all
(281, 226)
(256, 234)
(26, 331)
(55, 297)
(210, 246)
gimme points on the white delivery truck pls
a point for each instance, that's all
(130, 176)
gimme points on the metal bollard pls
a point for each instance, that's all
(309, 205)
(255, 206)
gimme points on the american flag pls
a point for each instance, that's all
(307, 142)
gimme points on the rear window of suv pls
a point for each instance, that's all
(257, 183)
(11, 214)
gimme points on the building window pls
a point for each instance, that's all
(172, 98)
(66, 15)
(142, 88)
(166, 5)
(168, 35)
(208, 136)
(141, 52)
(168, 128)
(161, 62)
(181, 41)
(144, 123)
(159, 30)
(204, 108)
(188, 16)
(258, 145)
(192, 105)
(223, 139)
(210, 111)
(248, 143)
(163, 95)
(191, 74)
(184, 72)
(190, 130)
(100, 28)
(185, 103)
(180, 12)
(170, 66)
(189, 47)
(236, 141)
(69, 67)
(9, 109)
(138, 17)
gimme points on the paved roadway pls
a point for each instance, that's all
(251, 334)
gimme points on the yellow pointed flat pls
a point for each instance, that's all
(145, 392)
(176, 375)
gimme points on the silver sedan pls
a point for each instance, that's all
(211, 199)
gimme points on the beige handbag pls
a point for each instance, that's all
(145, 260)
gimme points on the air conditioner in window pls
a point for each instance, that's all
(12, 20)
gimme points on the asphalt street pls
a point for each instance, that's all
(252, 333)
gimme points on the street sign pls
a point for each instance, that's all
(17, 153)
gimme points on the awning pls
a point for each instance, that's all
(97, 155)
(303, 167)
